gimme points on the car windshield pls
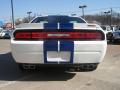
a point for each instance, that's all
(58, 19)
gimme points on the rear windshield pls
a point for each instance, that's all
(58, 19)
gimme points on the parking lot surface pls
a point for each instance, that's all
(106, 77)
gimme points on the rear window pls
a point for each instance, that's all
(58, 19)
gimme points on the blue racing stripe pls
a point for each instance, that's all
(67, 26)
(67, 45)
(50, 45)
(50, 26)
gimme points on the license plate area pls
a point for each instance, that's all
(58, 52)
(58, 57)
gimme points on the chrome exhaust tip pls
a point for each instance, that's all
(29, 67)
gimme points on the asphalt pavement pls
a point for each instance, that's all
(106, 77)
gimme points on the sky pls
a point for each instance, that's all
(45, 7)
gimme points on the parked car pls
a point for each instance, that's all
(5, 34)
(58, 41)
(116, 36)
(1, 32)
(1, 29)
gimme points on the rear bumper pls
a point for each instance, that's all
(84, 51)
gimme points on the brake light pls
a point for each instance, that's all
(23, 35)
(76, 35)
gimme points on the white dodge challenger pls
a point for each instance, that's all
(58, 41)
